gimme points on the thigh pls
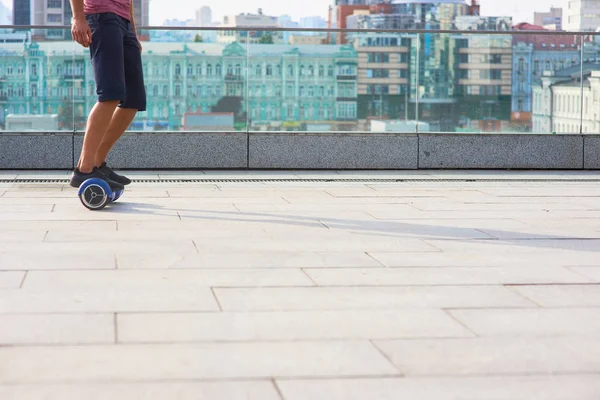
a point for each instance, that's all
(106, 53)
(134, 73)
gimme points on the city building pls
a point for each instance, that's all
(277, 87)
(583, 15)
(285, 21)
(313, 23)
(204, 16)
(483, 67)
(383, 76)
(59, 13)
(5, 15)
(558, 105)
(307, 39)
(259, 29)
(551, 20)
(532, 55)
(22, 12)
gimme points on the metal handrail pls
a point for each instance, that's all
(323, 30)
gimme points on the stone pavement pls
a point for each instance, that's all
(444, 286)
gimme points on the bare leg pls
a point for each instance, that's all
(95, 130)
(119, 122)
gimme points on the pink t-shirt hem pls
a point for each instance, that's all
(119, 7)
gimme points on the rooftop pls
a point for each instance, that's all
(434, 285)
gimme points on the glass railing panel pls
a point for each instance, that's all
(42, 83)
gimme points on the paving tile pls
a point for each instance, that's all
(405, 229)
(251, 390)
(10, 279)
(591, 272)
(544, 233)
(316, 244)
(93, 249)
(494, 356)
(310, 206)
(192, 361)
(56, 329)
(24, 208)
(111, 213)
(330, 298)
(11, 236)
(464, 214)
(521, 246)
(92, 226)
(446, 205)
(534, 322)
(177, 278)
(444, 276)
(40, 260)
(483, 259)
(292, 325)
(562, 295)
(580, 387)
(249, 259)
(105, 299)
(152, 236)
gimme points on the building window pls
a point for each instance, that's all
(54, 18)
(301, 91)
(311, 91)
(33, 90)
(198, 69)
(54, 4)
(177, 69)
(269, 70)
(330, 71)
(278, 70)
(190, 69)
(290, 70)
(321, 71)
(311, 70)
(177, 90)
(258, 70)
(209, 69)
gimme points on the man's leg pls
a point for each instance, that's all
(95, 132)
(135, 100)
(120, 121)
(106, 52)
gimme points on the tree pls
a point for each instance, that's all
(198, 38)
(267, 38)
(67, 119)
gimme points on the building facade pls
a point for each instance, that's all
(558, 105)
(277, 87)
(552, 19)
(583, 15)
(259, 26)
(532, 55)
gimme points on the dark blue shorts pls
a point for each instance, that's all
(117, 61)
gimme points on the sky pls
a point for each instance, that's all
(520, 10)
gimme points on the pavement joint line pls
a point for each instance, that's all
(322, 180)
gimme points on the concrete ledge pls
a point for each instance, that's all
(151, 150)
(591, 154)
(505, 151)
(332, 151)
(36, 151)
